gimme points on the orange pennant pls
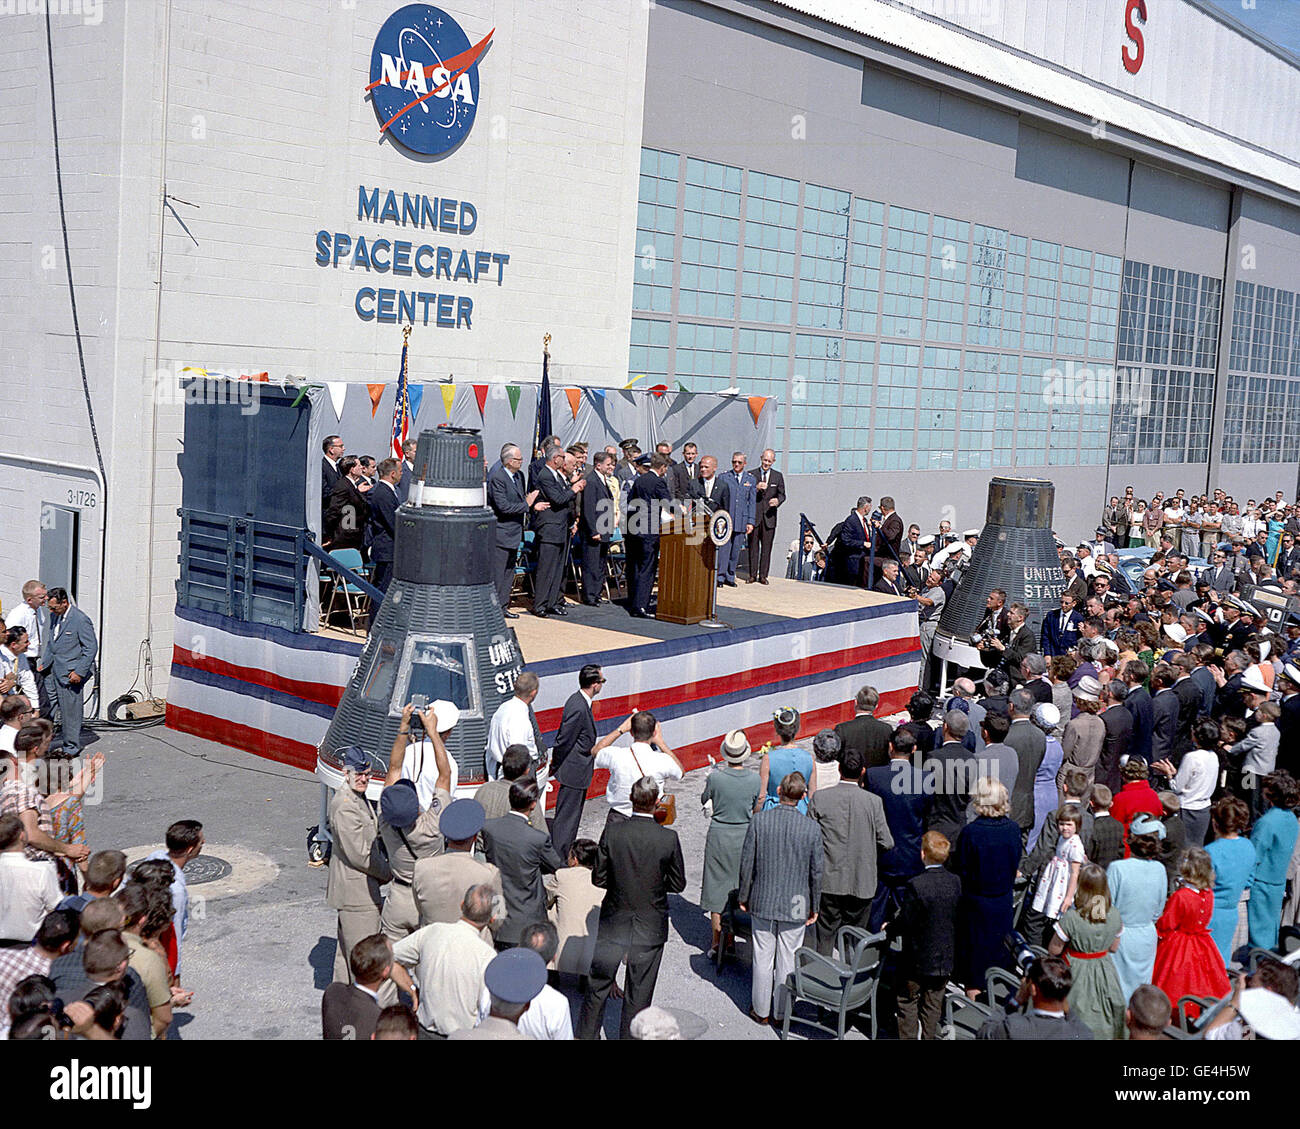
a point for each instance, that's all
(376, 391)
(480, 394)
(575, 398)
(756, 407)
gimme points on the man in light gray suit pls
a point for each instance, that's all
(854, 828)
(69, 655)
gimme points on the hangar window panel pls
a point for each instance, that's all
(703, 356)
(648, 355)
(988, 392)
(1209, 311)
(1292, 408)
(949, 260)
(710, 240)
(824, 251)
(1032, 412)
(936, 432)
(904, 283)
(652, 279)
(988, 281)
(1177, 405)
(1182, 338)
(1199, 416)
(854, 436)
(1243, 315)
(1042, 292)
(1063, 415)
(1103, 311)
(1160, 310)
(1252, 430)
(1261, 338)
(1151, 419)
(1283, 312)
(896, 385)
(864, 266)
(771, 236)
(1274, 421)
(1123, 433)
(1072, 307)
(1094, 423)
(762, 366)
(1133, 311)
(1234, 419)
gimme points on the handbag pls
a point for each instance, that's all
(665, 812)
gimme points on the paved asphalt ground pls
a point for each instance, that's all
(261, 942)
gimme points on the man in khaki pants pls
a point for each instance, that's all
(357, 865)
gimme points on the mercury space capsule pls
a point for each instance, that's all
(1017, 553)
(440, 632)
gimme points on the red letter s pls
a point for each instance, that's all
(1134, 8)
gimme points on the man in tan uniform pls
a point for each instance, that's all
(357, 864)
(440, 882)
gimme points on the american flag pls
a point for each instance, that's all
(401, 409)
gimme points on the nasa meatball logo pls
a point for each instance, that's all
(424, 80)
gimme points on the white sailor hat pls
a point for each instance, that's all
(926, 541)
(970, 533)
(1291, 673)
(1254, 681)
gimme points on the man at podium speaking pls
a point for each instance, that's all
(714, 493)
(645, 505)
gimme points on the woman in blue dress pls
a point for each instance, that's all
(1274, 841)
(1275, 528)
(1234, 867)
(1138, 888)
(784, 758)
(1047, 717)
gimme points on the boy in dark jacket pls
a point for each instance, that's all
(927, 922)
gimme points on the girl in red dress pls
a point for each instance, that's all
(1187, 961)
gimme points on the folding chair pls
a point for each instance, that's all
(844, 988)
(354, 599)
(962, 1016)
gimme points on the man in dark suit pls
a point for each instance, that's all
(350, 1011)
(574, 754)
(1119, 734)
(887, 583)
(1164, 712)
(510, 501)
(889, 538)
(384, 501)
(644, 509)
(864, 732)
(553, 526)
(684, 477)
(1138, 704)
(1043, 1013)
(952, 771)
(901, 787)
(407, 478)
(1228, 701)
(851, 545)
(522, 854)
(1203, 677)
(67, 661)
(771, 494)
(1020, 641)
(596, 526)
(348, 511)
(638, 864)
(714, 493)
(927, 922)
(1288, 723)
(1061, 628)
(1189, 700)
(539, 464)
(333, 447)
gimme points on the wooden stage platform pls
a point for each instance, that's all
(810, 646)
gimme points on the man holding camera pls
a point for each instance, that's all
(1043, 1012)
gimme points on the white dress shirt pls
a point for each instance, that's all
(36, 622)
(28, 891)
(1195, 780)
(627, 766)
(548, 1017)
(420, 766)
(511, 725)
(449, 960)
(19, 664)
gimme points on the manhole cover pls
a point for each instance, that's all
(206, 868)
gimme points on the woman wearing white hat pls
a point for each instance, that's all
(1047, 718)
(732, 789)
(1084, 734)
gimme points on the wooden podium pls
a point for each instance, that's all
(687, 569)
